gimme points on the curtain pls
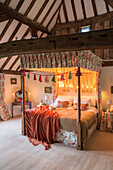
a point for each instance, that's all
(4, 114)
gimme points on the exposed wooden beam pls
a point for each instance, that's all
(11, 20)
(3, 17)
(7, 2)
(65, 11)
(15, 61)
(43, 20)
(92, 20)
(107, 63)
(18, 68)
(15, 31)
(52, 17)
(107, 7)
(15, 15)
(83, 8)
(6, 62)
(100, 39)
(94, 7)
(109, 2)
(19, 24)
(48, 12)
(74, 10)
(30, 7)
(34, 33)
(10, 72)
(41, 10)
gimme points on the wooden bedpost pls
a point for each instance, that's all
(23, 102)
(79, 132)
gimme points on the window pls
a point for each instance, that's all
(85, 28)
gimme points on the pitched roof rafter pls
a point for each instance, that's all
(65, 11)
(83, 8)
(19, 24)
(11, 20)
(109, 2)
(94, 8)
(43, 20)
(15, 61)
(14, 14)
(52, 17)
(74, 10)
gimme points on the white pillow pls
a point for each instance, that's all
(84, 100)
(70, 99)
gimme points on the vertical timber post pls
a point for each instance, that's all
(79, 132)
(23, 102)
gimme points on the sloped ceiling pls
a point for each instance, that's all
(47, 13)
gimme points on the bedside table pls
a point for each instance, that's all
(107, 121)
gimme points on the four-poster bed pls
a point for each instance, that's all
(78, 59)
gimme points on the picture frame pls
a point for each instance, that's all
(13, 81)
(48, 90)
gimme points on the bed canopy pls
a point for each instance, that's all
(59, 63)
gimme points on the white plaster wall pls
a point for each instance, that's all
(106, 83)
(36, 89)
(9, 90)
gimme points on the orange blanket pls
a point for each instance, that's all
(41, 125)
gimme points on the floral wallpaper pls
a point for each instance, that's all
(4, 114)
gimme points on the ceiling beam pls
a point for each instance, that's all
(21, 18)
(7, 2)
(43, 20)
(11, 20)
(10, 72)
(41, 10)
(19, 24)
(52, 17)
(4, 17)
(94, 7)
(88, 21)
(107, 7)
(101, 39)
(109, 2)
(107, 63)
(83, 8)
(18, 68)
(65, 11)
(6, 62)
(74, 10)
(15, 61)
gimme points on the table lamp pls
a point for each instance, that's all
(46, 99)
(109, 102)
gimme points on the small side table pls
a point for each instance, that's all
(107, 121)
(20, 104)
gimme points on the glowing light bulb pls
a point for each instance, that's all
(87, 86)
(91, 87)
(77, 87)
(82, 86)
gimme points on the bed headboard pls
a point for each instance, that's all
(68, 91)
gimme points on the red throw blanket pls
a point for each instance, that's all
(41, 125)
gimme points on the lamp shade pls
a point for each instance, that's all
(109, 101)
(46, 97)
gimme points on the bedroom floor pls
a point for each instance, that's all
(16, 153)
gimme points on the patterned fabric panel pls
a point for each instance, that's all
(85, 59)
(4, 114)
(68, 138)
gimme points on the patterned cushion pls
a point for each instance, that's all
(63, 104)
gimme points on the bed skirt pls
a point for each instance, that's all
(70, 138)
